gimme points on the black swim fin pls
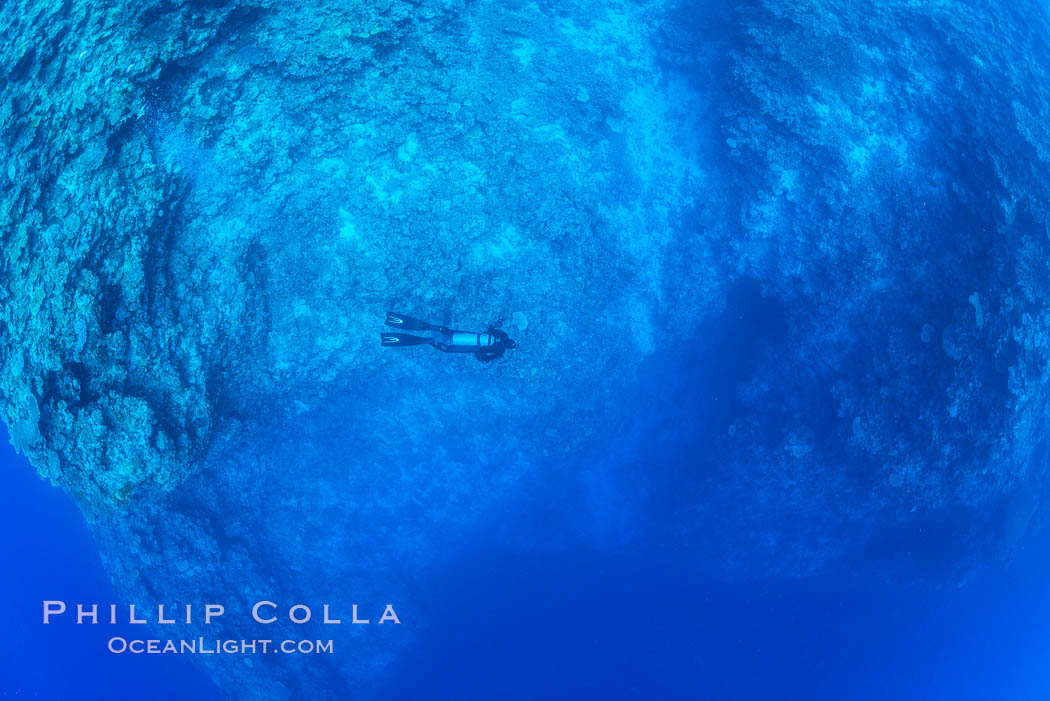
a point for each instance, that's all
(402, 339)
(407, 322)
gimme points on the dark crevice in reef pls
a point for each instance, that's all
(117, 138)
(56, 43)
(81, 387)
(221, 402)
(255, 271)
(72, 385)
(175, 73)
(110, 304)
(158, 18)
(43, 201)
(21, 69)
(162, 238)
(55, 388)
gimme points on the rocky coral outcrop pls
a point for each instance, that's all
(210, 206)
(885, 191)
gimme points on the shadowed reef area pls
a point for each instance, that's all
(781, 268)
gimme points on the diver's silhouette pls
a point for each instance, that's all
(485, 346)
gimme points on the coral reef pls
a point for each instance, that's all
(211, 206)
(886, 187)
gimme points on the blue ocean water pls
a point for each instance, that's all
(642, 621)
(48, 553)
(570, 623)
(775, 427)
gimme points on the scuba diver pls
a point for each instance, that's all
(487, 346)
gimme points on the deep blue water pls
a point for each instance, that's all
(637, 619)
(589, 625)
(573, 617)
(49, 554)
(572, 623)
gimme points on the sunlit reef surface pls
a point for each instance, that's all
(838, 211)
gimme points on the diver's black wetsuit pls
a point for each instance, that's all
(487, 346)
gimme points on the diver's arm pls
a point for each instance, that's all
(487, 356)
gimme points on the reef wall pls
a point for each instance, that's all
(210, 205)
(886, 184)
